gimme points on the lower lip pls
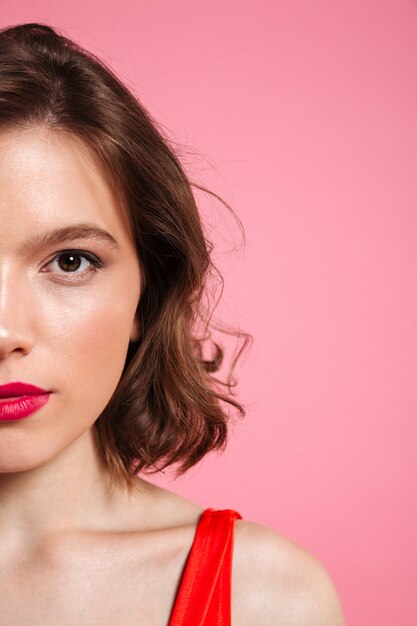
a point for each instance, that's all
(21, 407)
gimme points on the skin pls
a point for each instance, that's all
(70, 552)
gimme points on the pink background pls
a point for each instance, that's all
(303, 116)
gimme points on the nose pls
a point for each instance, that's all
(15, 312)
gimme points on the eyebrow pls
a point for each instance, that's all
(75, 231)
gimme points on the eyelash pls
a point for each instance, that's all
(96, 264)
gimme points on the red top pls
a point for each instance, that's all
(204, 595)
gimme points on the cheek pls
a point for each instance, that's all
(82, 335)
(90, 338)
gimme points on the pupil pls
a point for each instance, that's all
(71, 264)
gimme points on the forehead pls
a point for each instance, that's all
(49, 178)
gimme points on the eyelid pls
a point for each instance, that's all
(77, 251)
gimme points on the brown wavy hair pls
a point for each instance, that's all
(168, 407)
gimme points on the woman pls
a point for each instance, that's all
(103, 264)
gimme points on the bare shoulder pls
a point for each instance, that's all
(276, 582)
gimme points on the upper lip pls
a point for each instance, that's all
(20, 389)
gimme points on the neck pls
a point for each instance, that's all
(68, 493)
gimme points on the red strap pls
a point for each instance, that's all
(204, 596)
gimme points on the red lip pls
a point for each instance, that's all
(20, 389)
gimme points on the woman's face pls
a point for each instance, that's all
(65, 325)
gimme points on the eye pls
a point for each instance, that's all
(69, 262)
